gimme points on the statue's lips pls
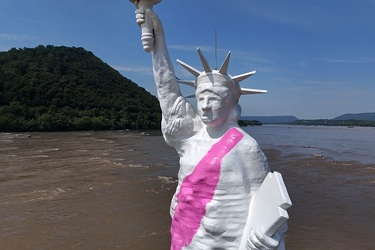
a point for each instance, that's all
(207, 115)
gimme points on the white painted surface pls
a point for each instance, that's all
(222, 200)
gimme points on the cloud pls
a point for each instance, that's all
(190, 47)
(8, 40)
(298, 14)
(141, 70)
(320, 87)
(303, 64)
(251, 56)
(244, 55)
(314, 16)
(13, 37)
(4, 48)
(360, 60)
(210, 49)
(322, 82)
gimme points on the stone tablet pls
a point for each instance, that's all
(268, 206)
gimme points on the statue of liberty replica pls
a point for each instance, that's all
(220, 201)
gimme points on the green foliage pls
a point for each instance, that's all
(61, 88)
(243, 123)
(360, 116)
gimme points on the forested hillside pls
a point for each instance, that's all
(360, 116)
(61, 88)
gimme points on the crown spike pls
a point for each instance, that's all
(224, 68)
(187, 82)
(205, 64)
(252, 91)
(189, 68)
(239, 78)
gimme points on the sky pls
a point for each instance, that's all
(315, 58)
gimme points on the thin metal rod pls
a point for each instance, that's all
(215, 42)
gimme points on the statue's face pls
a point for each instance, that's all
(213, 104)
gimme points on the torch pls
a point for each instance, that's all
(146, 27)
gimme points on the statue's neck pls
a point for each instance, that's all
(217, 131)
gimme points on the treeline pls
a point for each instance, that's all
(244, 123)
(329, 122)
(50, 88)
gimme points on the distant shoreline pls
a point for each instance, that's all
(330, 122)
(319, 122)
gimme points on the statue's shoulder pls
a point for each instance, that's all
(247, 140)
(248, 147)
(251, 156)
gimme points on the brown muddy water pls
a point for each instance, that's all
(111, 190)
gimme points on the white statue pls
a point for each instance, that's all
(221, 166)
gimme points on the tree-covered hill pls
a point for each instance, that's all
(331, 122)
(61, 88)
(360, 116)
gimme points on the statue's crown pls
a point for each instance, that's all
(220, 77)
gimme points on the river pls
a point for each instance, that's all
(112, 189)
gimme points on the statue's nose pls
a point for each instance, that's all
(206, 105)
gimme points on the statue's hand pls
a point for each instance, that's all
(259, 241)
(140, 16)
(152, 29)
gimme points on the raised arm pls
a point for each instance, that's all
(177, 112)
(167, 86)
